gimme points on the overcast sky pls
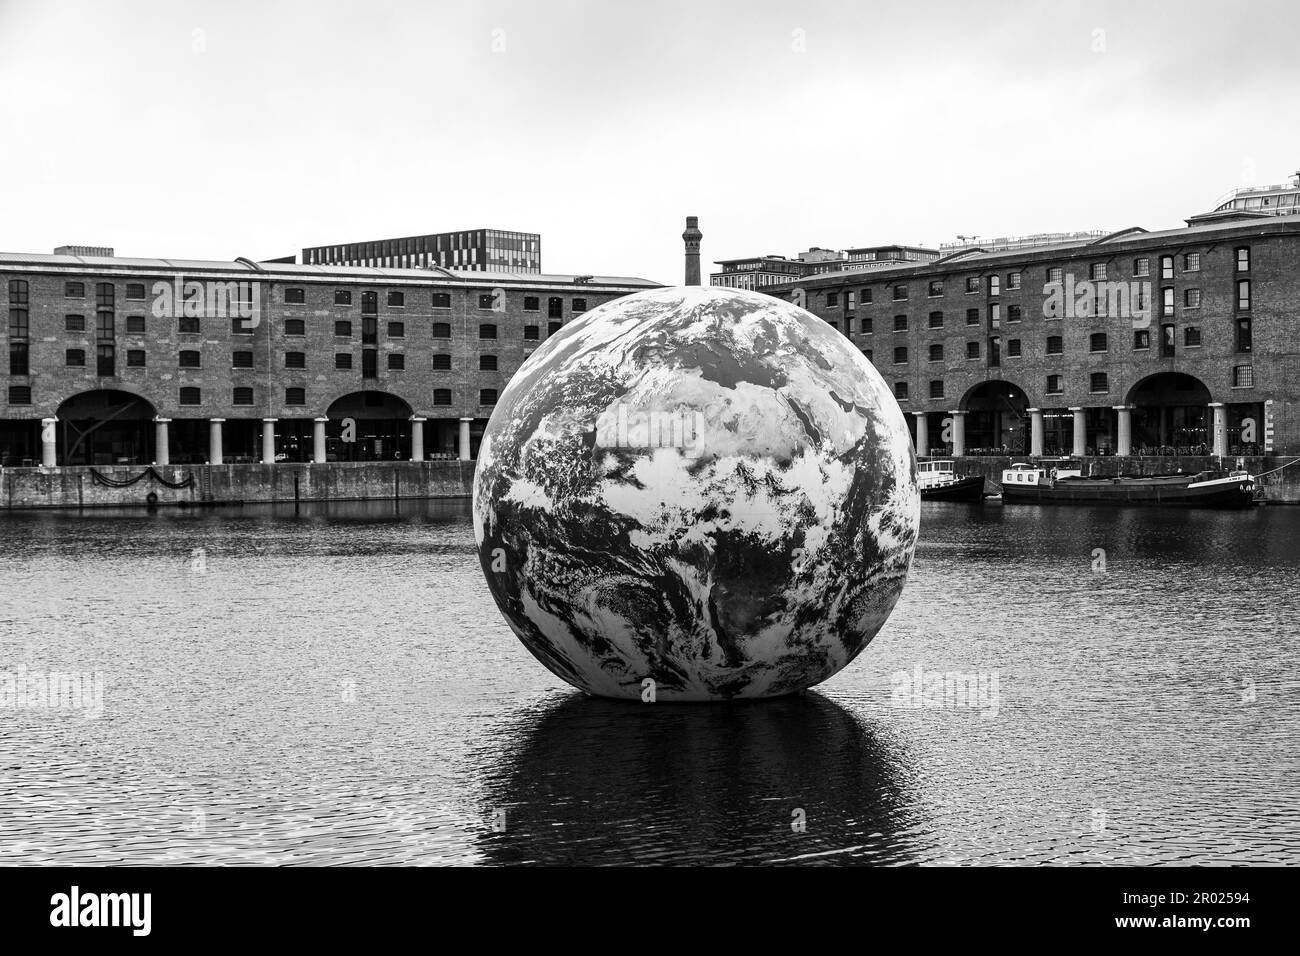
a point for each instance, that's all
(213, 130)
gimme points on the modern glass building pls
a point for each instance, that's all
(472, 250)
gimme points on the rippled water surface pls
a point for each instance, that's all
(337, 687)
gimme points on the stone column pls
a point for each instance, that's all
(1035, 432)
(49, 436)
(417, 438)
(162, 454)
(922, 434)
(318, 440)
(1080, 431)
(464, 438)
(958, 433)
(1219, 448)
(216, 449)
(268, 440)
(1124, 440)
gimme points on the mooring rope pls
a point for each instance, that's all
(1271, 470)
(102, 479)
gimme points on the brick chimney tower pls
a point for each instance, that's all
(692, 237)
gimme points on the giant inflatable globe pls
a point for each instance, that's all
(702, 493)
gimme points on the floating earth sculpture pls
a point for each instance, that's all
(696, 493)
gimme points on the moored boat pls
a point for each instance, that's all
(938, 482)
(1064, 483)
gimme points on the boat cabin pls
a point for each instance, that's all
(932, 473)
(1045, 472)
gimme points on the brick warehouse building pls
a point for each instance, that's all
(1191, 344)
(132, 361)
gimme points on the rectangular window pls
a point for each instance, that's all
(995, 315)
(105, 360)
(1013, 348)
(1166, 341)
(1055, 384)
(900, 292)
(1192, 262)
(1013, 281)
(1142, 267)
(295, 396)
(936, 320)
(190, 358)
(1167, 301)
(442, 396)
(1166, 267)
(1054, 274)
(1141, 339)
(995, 351)
(865, 324)
(74, 290)
(866, 296)
(243, 395)
(1097, 383)
(1097, 342)
(441, 330)
(972, 283)
(191, 396)
(900, 355)
(342, 296)
(1243, 376)
(531, 333)
(396, 330)
(555, 308)
(135, 358)
(1243, 259)
(485, 300)
(580, 305)
(369, 303)
(1191, 336)
(487, 363)
(1244, 339)
(972, 350)
(900, 391)
(1013, 313)
(532, 303)
(295, 359)
(135, 324)
(487, 331)
(487, 396)
(74, 323)
(396, 361)
(343, 328)
(295, 327)
(369, 363)
(994, 285)
(396, 299)
(553, 327)
(20, 394)
(1243, 295)
(900, 323)
(936, 352)
(294, 296)
(135, 291)
(1192, 298)
(105, 296)
(936, 388)
(189, 324)
(972, 316)
(832, 299)
(1097, 271)
(75, 358)
(343, 360)
(241, 359)
(935, 288)
(442, 300)
(18, 358)
(1055, 345)
(441, 362)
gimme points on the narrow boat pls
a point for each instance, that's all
(938, 482)
(1064, 483)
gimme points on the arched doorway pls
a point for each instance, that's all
(368, 426)
(105, 427)
(997, 422)
(1170, 411)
